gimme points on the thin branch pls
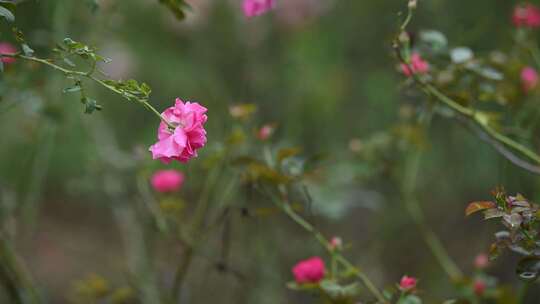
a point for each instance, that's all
(505, 152)
(90, 76)
(297, 218)
(473, 116)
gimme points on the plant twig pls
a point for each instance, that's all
(471, 114)
(289, 211)
(90, 76)
(15, 277)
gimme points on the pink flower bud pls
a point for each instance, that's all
(188, 136)
(529, 78)
(479, 287)
(526, 15)
(309, 271)
(336, 243)
(254, 8)
(481, 261)
(418, 65)
(7, 48)
(407, 283)
(167, 181)
(265, 132)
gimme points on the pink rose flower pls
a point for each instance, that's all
(189, 135)
(526, 15)
(7, 48)
(419, 66)
(529, 79)
(309, 271)
(407, 283)
(254, 8)
(167, 180)
(481, 261)
(479, 287)
(265, 132)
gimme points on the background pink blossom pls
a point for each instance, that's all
(529, 78)
(7, 48)
(418, 65)
(167, 181)
(526, 15)
(254, 8)
(309, 271)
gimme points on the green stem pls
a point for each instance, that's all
(523, 292)
(325, 243)
(181, 272)
(470, 114)
(410, 178)
(90, 75)
(15, 277)
(195, 231)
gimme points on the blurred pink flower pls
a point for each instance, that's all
(7, 48)
(265, 132)
(336, 243)
(407, 283)
(167, 180)
(481, 261)
(526, 15)
(311, 270)
(479, 287)
(529, 78)
(419, 66)
(254, 8)
(189, 135)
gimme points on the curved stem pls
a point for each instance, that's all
(523, 292)
(15, 277)
(468, 113)
(412, 166)
(195, 231)
(90, 75)
(325, 243)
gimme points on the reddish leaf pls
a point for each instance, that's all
(478, 206)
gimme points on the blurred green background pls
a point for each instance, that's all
(322, 70)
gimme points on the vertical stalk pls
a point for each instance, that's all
(523, 292)
(14, 276)
(286, 208)
(408, 187)
(194, 230)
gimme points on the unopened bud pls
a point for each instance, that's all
(412, 4)
(336, 243)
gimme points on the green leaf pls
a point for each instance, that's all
(7, 14)
(302, 287)
(337, 292)
(177, 7)
(90, 105)
(27, 50)
(287, 153)
(478, 206)
(410, 299)
(461, 55)
(435, 39)
(493, 213)
(528, 268)
(94, 5)
(69, 62)
(72, 89)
